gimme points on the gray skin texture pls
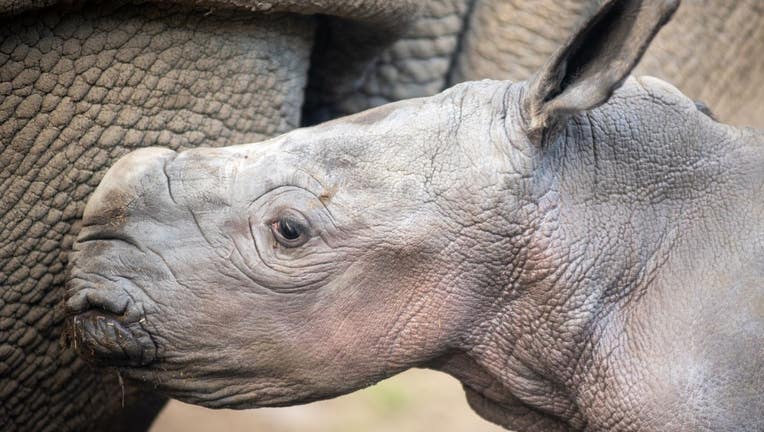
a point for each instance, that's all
(83, 84)
(711, 51)
(582, 252)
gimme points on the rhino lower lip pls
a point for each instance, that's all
(103, 338)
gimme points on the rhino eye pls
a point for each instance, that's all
(290, 230)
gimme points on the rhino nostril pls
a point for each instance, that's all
(97, 232)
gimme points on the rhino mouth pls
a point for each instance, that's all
(105, 326)
(104, 338)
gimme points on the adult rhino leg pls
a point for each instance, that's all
(78, 89)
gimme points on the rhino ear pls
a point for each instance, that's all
(585, 71)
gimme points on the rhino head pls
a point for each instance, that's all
(531, 239)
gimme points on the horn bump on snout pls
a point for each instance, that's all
(136, 173)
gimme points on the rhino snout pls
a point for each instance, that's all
(134, 178)
(105, 324)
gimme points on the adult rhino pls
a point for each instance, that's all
(584, 251)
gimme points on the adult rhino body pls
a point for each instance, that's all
(581, 254)
(82, 84)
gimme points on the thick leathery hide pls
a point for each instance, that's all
(416, 65)
(78, 89)
(512, 39)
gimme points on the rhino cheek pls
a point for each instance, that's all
(372, 325)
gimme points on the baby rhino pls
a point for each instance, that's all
(584, 251)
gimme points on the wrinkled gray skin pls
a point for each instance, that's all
(81, 85)
(582, 252)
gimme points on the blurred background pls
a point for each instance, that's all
(415, 401)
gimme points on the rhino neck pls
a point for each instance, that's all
(611, 212)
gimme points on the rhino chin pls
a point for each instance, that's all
(102, 338)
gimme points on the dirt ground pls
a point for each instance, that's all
(415, 401)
